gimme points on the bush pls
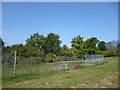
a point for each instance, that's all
(50, 57)
(109, 53)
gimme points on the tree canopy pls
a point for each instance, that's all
(85, 47)
(77, 42)
(49, 47)
(102, 46)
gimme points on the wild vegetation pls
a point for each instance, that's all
(97, 76)
(48, 48)
(39, 49)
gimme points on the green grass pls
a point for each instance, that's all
(96, 76)
(28, 69)
(34, 68)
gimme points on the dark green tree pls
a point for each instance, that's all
(101, 46)
(2, 44)
(52, 43)
(37, 41)
(90, 46)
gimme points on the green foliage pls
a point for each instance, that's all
(31, 51)
(91, 43)
(109, 53)
(6, 53)
(52, 43)
(65, 51)
(102, 46)
(85, 47)
(65, 47)
(36, 40)
(90, 46)
(77, 42)
(48, 48)
(118, 49)
(50, 57)
(18, 48)
(78, 52)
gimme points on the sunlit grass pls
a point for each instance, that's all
(96, 76)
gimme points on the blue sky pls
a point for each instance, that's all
(68, 19)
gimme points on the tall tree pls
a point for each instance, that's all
(91, 43)
(36, 40)
(48, 44)
(90, 46)
(101, 46)
(77, 42)
(52, 43)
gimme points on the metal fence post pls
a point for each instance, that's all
(14, 64)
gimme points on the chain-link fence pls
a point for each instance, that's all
(33, 65)
(94, 59)
(25, 66)
(7, 63)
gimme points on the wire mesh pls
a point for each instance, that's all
(94, 59)
(7, 64)
(33, 65)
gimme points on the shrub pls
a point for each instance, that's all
(50, 57)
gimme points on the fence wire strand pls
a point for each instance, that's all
(33, 65)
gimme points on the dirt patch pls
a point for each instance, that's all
(26, 82)
(73, 87)
(81, 85)
(107, 82)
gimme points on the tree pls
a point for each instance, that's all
(19, 48)
(85, 47)
(36, 40)
(91, 43)
(101, 46)
(48, 44)
(90, 46)
(52, 43)
(77, 42)
(65, 47)
(1, 43)
(65, 51)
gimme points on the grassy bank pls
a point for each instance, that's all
(96, 76)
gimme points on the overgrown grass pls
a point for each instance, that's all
(34, 68)
(96, 76)
(28, 69)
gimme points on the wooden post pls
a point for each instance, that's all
(14, 64)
